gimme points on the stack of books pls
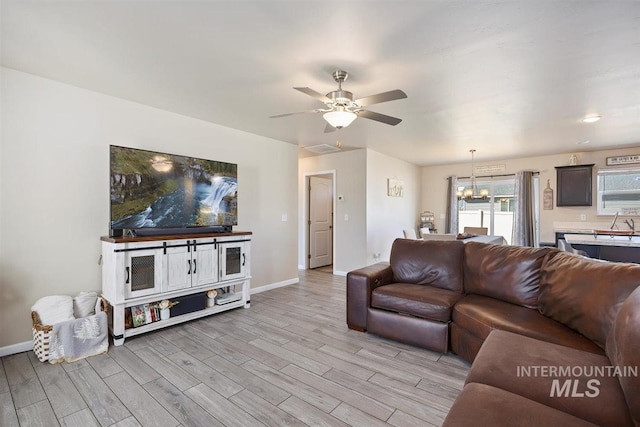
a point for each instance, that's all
(144, 314)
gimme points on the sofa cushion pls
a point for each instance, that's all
(509, 361)
(623, 348)
(480, 315)
(585, 294)
(434, 263)
(484, 405)
(417, 300)
(409, 330)
(508, 273)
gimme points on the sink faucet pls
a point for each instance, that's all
(631, 224)
(615, 218)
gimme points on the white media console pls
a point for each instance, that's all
(139, 272)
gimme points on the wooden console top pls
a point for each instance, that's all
(171, 237)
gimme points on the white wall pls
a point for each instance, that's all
(388, 216)
(375, 219)
(54, 188)
(351, 237)
(434, 187)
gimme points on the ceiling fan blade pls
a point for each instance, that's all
(392, 95)
(383, 118)
(312, 93)
(297, 112)
(328, 128)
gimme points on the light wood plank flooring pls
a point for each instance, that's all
(288, 360)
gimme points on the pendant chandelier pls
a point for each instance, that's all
(470, 193)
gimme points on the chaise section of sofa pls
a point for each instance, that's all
(536, 370)
(549, 382)
(485, 405)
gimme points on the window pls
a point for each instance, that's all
(618, 191)
(495, 212)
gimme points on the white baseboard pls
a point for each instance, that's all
(274, 285)
(340, 273)
(302, 267)
(16, 348)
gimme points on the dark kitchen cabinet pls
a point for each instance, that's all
(575, 185)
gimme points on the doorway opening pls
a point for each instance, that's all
(319, 221)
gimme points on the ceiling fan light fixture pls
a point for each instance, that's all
(340, 119)
(591, 119)
(341, 107)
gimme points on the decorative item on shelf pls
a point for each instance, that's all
(573, 160)
(228, 295)
(211, 297)
(472, 191)
(138, 315)
(427, 219)
(547, 197)
(164, 306)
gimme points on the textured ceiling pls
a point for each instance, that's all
(510, 79)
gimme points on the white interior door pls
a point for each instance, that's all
(320, 222)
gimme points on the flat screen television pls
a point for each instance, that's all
(165, 192)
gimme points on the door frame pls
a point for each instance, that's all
(306, 240)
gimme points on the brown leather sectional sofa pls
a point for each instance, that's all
(519, 314)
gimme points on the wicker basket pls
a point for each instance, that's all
(41, 334)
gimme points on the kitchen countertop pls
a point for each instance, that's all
(580, 226)
(603, 240)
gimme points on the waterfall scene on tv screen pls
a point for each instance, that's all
(158, 190)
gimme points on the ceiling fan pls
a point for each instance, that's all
(341, 107)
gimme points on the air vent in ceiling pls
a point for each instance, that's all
(322, 148)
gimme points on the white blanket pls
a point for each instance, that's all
(78, 338)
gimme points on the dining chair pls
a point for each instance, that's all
(410, 234)
(563, 245)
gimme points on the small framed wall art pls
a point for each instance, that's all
(547, 197)
(395, 187)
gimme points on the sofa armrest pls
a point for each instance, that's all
(360, 283)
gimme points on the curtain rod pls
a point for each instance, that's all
(493, 176)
